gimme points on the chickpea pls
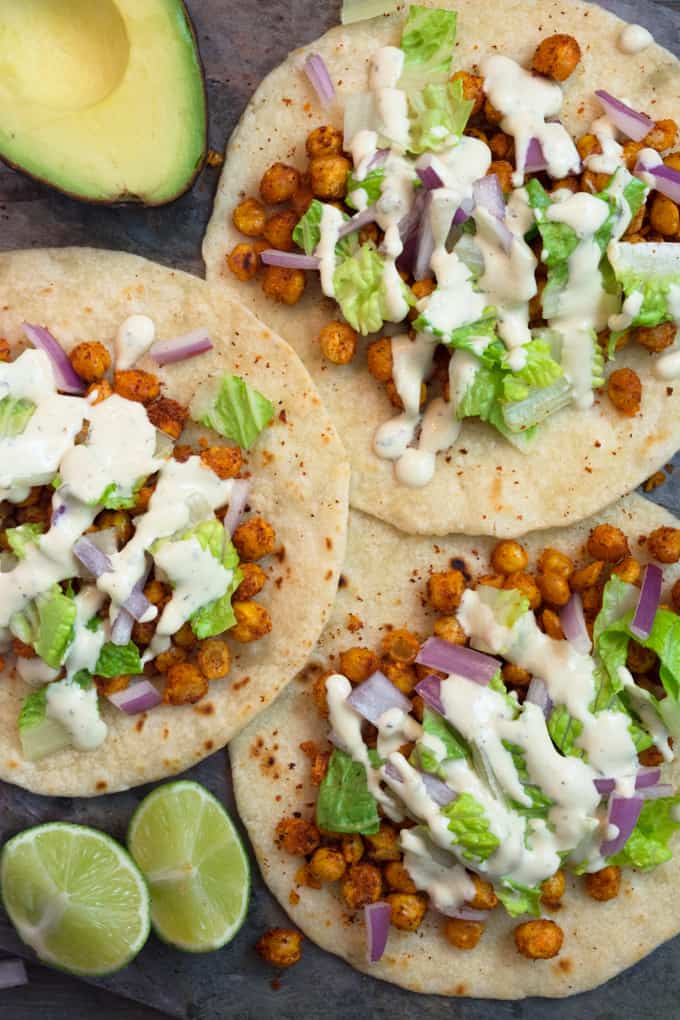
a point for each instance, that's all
(662, 136)
(552, 890)
(509, 557)
(630, 154)
(371, 233)
(398, 878)
(418, 708)
(244, 261)
(283, 285)
(639, 659)
(278, 230)
(224, 461)
(557, 56)
(142, 633)
(635, 226)
(254, 539)
(384, 844)
(502, 146)
(134, 384)
(279, 183)
(22, 650)
(515, 676)
(362, 884)
(297, 836)
(656, 338)
(625, 391)
(538, 940)
(463, 934)
(628, 570)
(158, 594)
(587, 576)
(605, 884)
(490, 581)
(338, 342)
(423, 288)
(118, 519)
(379, 359)
(111, 685)
(185, 636)
(328, 176)
(650, 757)
(324, 141)
(526, 585)
(552, 561)
(98, 391)
(408, 910)
(165, 660)
(554, 589)
(249, 217)
(182, 452)
(664, 544)
(184, 684)
(491, 114)
(551, 624)
(449, 629)
(352, 848)
(281, 947)
(503, 171)
(675, 596)
(396, 400)
(445, 590)
(566, 184)
(252, 622)
(168, 416)
(485, 898)
(319, 692)
(401, 645)
(253, 582)
(90, 360)
(358, 663)
(327, 864)
(473, 88)
(303, 198)
(403, 677)
(588, 145)
(214, 659)
(664, 216)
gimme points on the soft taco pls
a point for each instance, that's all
(170, 550)
(475, 197)
(480, 755)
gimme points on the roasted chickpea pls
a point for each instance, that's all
(185, 636)
(502, 146)
(565, 184)
(463, 934)
(423, 288)
(408, 910)
(358, 663)
(551, 624)
(134, 384)
(252, 622)
(281, 947)
(401, 645)
(379, 359)
(90, 360)
(158, 594)
(664, 544)
(253, 582)
(362, 884)
(588, 145)
(656, 338)
(538, 940)
(279, 183)
(630, 154)
(165, 660)
(586, 576)
(278, 230)
(184, 684)
(244, 261)
(605, 884)
(297, 836)
(328, 175)
(98, 391)
(664, 216)
(503, 171)
(491, 114)
(553, 588)
(224, 461)
(403, 677)
(398, 878)
(490, 581)
(592, 600)
(625, 391)
(552, 890)
(650, 757)
(283, 285)
(509, 557)
(327, 864)
(338, 342)
(557, 56)
(525, 584)
(118, 519)
(168, 416)
(628, 570)
(515, 676)
(111, 685)
(324, 141)
(593, 182)
(352, 848)
(662, 136)
(473, 88)
(22, 650)
(485, 898)
(303, 197)
(675, 596)
(182, 452)
(552, 561)
(384, 844)
(142, 633)
(445, 590)
(249, 217)
(319, 692)
(449, 629)
(639, 659)
(254, 539)
(213, 658)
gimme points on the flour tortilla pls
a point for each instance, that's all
(299, 483)
(272, 779)
(583, 459)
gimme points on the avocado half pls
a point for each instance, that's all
(102, 99)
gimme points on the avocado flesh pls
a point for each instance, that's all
(103, 100)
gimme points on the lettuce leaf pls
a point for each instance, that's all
(470, 828)
(647, 846)
(360, 290)
(47, 625)
(540, 370)
(237, 411)
(371, 184)
(307, 233)
(438, 115)
(454, 745)
(540, 802)
(428, 40)
(118, 660)
(564, 730)
(115, 498)
(217, 616)
(21, 537)
(519, 899)
(15, 414)
(39, 735)
(345, 803)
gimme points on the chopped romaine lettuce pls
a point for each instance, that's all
(519, 899)
(428, 40)
(21, 537)
(371, 184)
(520, 415)
(15, 414)
(47, 624)
(540, 802)
(118, 660)
(438, 115)
(362, 10)
(307, 233)
(360, 290)
(506, 606)
(564, 730)
(237, 411)
(539, 371)
(114, 498)
(470, 828)
(647, 846)
(39, 734)
(454, 746)
(345, 803)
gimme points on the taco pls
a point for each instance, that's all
(500, 227)
(170, 551)
(450, 762)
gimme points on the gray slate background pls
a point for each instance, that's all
(240, 43)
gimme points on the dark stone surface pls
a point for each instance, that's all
(240, 42)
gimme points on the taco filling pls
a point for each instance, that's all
(454, 204)
(524, 739)
(127, 555)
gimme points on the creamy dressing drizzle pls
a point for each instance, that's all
(634, 39)
(329, 230)
(133, 339)
(197, 579)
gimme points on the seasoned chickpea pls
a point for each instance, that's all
(449, 629)
(352, 848)
(656, 338)
(297, 836)
(324, 141)
(362, 884)
(509, 557)
(328, 175)
(628, 570)
(650, 757)
(554, 588)
(490, 581)
(278, 230)
(118, 519)
(358, 663)
(168, 416)
(279, 183)
(552, 561)
(319, 692)
(662, 136)
(539, 940)
(630, 154)
(403, 677)
(182, 452)
(185, 636)
(592, 600)
(588, 145)
(283, 285)
(551, 624)
(338, 342)
(515, 676)
(485, 898)
(303, 197)
(254, 539)
(491, 114)
(134, 384)
(281, 947)
(565, 184)
(675, 596)
(379, 359)
(445, 590)
(625, 391)
(252, 622)
(244, 261)
(22, 650)
(593, 182)
(213, 658)
(423, 288)
(384, 844)
(503, 171)
(158, 594)
(253, 582)
(111, 685)
(664, 216)
(327, 864)
(502, 146)
(398, 878)
(90, 360)
(605, 884)
(463, 934)
(224, 461)
(142, 633)
(587, 576)
(184, 684)
(639, 659)
(664, 544)
(552, 890)
(408, 910)
(473, 88)
(525, 584)
(401, 645)
(98, 391)
(557, 56)
(165, 660)
(249, 217)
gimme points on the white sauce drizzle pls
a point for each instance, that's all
(197, 579)
(133, 339)
(634, 39)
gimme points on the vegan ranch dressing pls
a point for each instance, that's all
(634, 39)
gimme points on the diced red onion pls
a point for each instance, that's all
(429, 177)
(289, 259)
(136, 604)
(317, 72)
(574, 625)
(645, 778)
(534, 160)
(631, 123)
(361, 219)
(378, 159)
(429, 690)
(409, 232)
(377, 917)
(96, 561)
(538, 695)
(375, 696)
(648, 602)
(487, 194)
(57, 513)
(237, 504)
(440, 793)
(463, 213)
(450, 658)
(12, 973)
(666, 179)
(623, 813)
(425, 248)
(165, 352)
(138, 697)
(65, 377)
(655, 792)
(121, 631)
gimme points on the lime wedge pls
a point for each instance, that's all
(194, 863)
(75, 896)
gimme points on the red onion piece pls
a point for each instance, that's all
(357, 222)
(136, 604)
(463, 213)
(631, 123)
(375, 696)
(425, 248)
(440, 793)
(648, 602)
(317, 72)
(237, 504)
(439, 654)
(121, 630)
(487, 194)
(537, 694)
(534, 160)
(409, 231)
(656, 792)
(12, 973)
(288, 259)
(377, 917)
(64, 376)
(623, 813)
(666, 180)
(91, 557)
(165, 352)
(429, 690)
(138, 697)
(57, 513)
(429, 177)
(574, 625)
(645, 778)
(378, 159)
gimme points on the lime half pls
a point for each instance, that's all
(197, 871)
(75, 896)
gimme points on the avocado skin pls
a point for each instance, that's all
(129, 199)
